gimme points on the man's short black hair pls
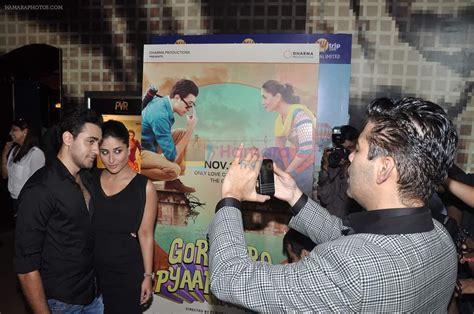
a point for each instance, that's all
(75, 120)
(421, 139)
(350, 133)
(298, 242)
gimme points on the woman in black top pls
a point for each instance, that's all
(124, 217)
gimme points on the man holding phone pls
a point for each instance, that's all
(163, 149)
(393, 257)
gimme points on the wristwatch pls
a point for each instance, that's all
(151, 275)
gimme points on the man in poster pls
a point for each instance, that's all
(163, 149)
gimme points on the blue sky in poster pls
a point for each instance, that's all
(227, 109)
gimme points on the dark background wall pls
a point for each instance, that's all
(400, 48)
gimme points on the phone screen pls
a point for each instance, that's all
(266, 180)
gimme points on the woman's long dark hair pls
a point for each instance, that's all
(30, 141)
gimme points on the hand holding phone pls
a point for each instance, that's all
(266, 180)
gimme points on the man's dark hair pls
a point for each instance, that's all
(115, 129)
(183, 88)
(75, 120)
(421, 139)
(298, 242)
(350, 133)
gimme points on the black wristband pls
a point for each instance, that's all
(299, 204)
(228, 201)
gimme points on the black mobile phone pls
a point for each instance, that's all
(266, 180)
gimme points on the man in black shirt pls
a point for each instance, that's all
(54, 244)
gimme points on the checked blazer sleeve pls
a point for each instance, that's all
(309, 221)
(363, 272)
(306, 286)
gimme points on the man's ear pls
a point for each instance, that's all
(67, 138)
(386, 169)
(304, 252)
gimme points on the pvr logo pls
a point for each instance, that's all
(121, 105)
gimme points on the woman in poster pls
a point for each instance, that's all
(294, 124)
(124, 218)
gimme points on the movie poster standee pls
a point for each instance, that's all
(230, 110)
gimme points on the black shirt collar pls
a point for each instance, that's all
(61, 169)
(382, 221)
(391, 221)
(63, 173)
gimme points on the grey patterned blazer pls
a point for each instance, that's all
(396, 260)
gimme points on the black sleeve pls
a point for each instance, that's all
(35, 206)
